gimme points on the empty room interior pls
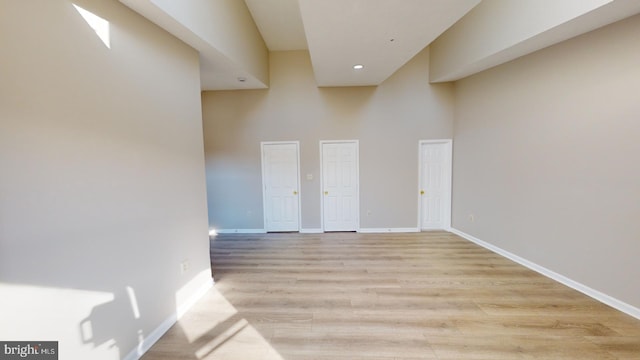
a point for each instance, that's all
(321, 179)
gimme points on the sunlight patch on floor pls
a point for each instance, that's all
(214, 329)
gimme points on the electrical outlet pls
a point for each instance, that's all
(368, 212)
(184, 266)
(472, 218)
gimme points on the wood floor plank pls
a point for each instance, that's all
(429, 295)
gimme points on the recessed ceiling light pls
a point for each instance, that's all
(358, 66)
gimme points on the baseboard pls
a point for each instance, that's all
(311, 231)
(193, 299)
(602, 297)
(241, 231)
(157, 333)
(151, 339)
(387, 230)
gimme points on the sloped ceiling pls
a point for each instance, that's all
(280, 23)
(381, 35)
(467, 35)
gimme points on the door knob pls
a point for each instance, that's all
(295, 192)
(421, 192)
(326, 193)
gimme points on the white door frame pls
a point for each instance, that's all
(449, 169)
(264, 193)
(357, 142)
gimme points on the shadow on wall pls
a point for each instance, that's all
(98, 329)
(76, 225)
(72, 318)
(87, 324)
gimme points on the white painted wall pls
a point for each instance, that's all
(389, 120)
(102, 190)
(545, 158)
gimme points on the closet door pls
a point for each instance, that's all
(340, 200)
(280, 178)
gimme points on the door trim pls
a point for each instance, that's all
(357, 142)
(264, 185)
(448, 183)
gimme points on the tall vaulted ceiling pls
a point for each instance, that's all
(234, 37)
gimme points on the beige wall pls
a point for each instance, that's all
(545, 158)
(388, 120)
(102, 190)
(479, 40)
(227, 26)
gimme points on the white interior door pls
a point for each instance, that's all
(340, 200)
(435, 184)
(280, 178)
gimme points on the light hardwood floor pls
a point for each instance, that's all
(352, 296)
